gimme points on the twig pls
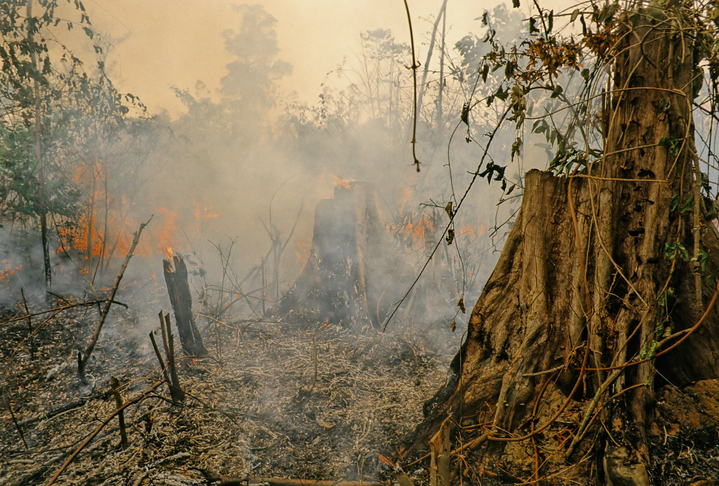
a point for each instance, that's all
(55, 412)
(107, 420)
(61, 308)
(29, 324)
(414, 82)
(175, 391)
(475, 175)
(232, 481)
(159, 358)
(82, 361)
(315, 359)
(17, 425)
(115, 384)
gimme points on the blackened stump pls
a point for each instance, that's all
(181, 300)
(343, 281)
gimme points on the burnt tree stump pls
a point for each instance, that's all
(181, 300)
(344, 280)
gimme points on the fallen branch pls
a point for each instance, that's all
(311, 482)
(82, 359)
(237, 481)
(14, 419)
(59, 309)
(54, 412)
(107, 420)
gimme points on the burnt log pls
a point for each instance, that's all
(179, 290)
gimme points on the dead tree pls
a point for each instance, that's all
(605, 286)
(179, 290)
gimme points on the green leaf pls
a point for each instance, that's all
(674, 202)
(683, 253)
(688, 205)
(574, 16)
(703, 257)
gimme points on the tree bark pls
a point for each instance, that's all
(594, 284)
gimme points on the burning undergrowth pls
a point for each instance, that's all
(275, 398)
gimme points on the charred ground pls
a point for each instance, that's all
(284, 399)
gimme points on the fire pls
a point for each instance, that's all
(168, 253)
(415, 228)
(339, 182)
(8, 271)
(303, 250)
(205, 213)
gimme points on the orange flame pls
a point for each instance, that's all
(303, 250)
(339, 182)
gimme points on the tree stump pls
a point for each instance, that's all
(344, 280)
(179, 290)
(605, 291)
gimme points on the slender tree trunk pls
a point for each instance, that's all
(40, 167)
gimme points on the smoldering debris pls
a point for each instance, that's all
(273, 400)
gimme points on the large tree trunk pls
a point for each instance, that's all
(566, 346)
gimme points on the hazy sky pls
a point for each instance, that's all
(160, 43)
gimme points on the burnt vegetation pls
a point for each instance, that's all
(508, 273)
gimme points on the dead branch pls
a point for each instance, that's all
(60, 309)
(311, 482)
(82, 360)
(29, 324)
(12, 414)
(175, 391)
(54, 412)
(159, 358)
(107, 420)
(238, 481)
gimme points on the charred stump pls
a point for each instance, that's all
(343, 280)
(603, 293)
(179, 290)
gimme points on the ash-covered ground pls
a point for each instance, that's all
(274, 399)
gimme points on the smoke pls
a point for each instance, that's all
(234, 154)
